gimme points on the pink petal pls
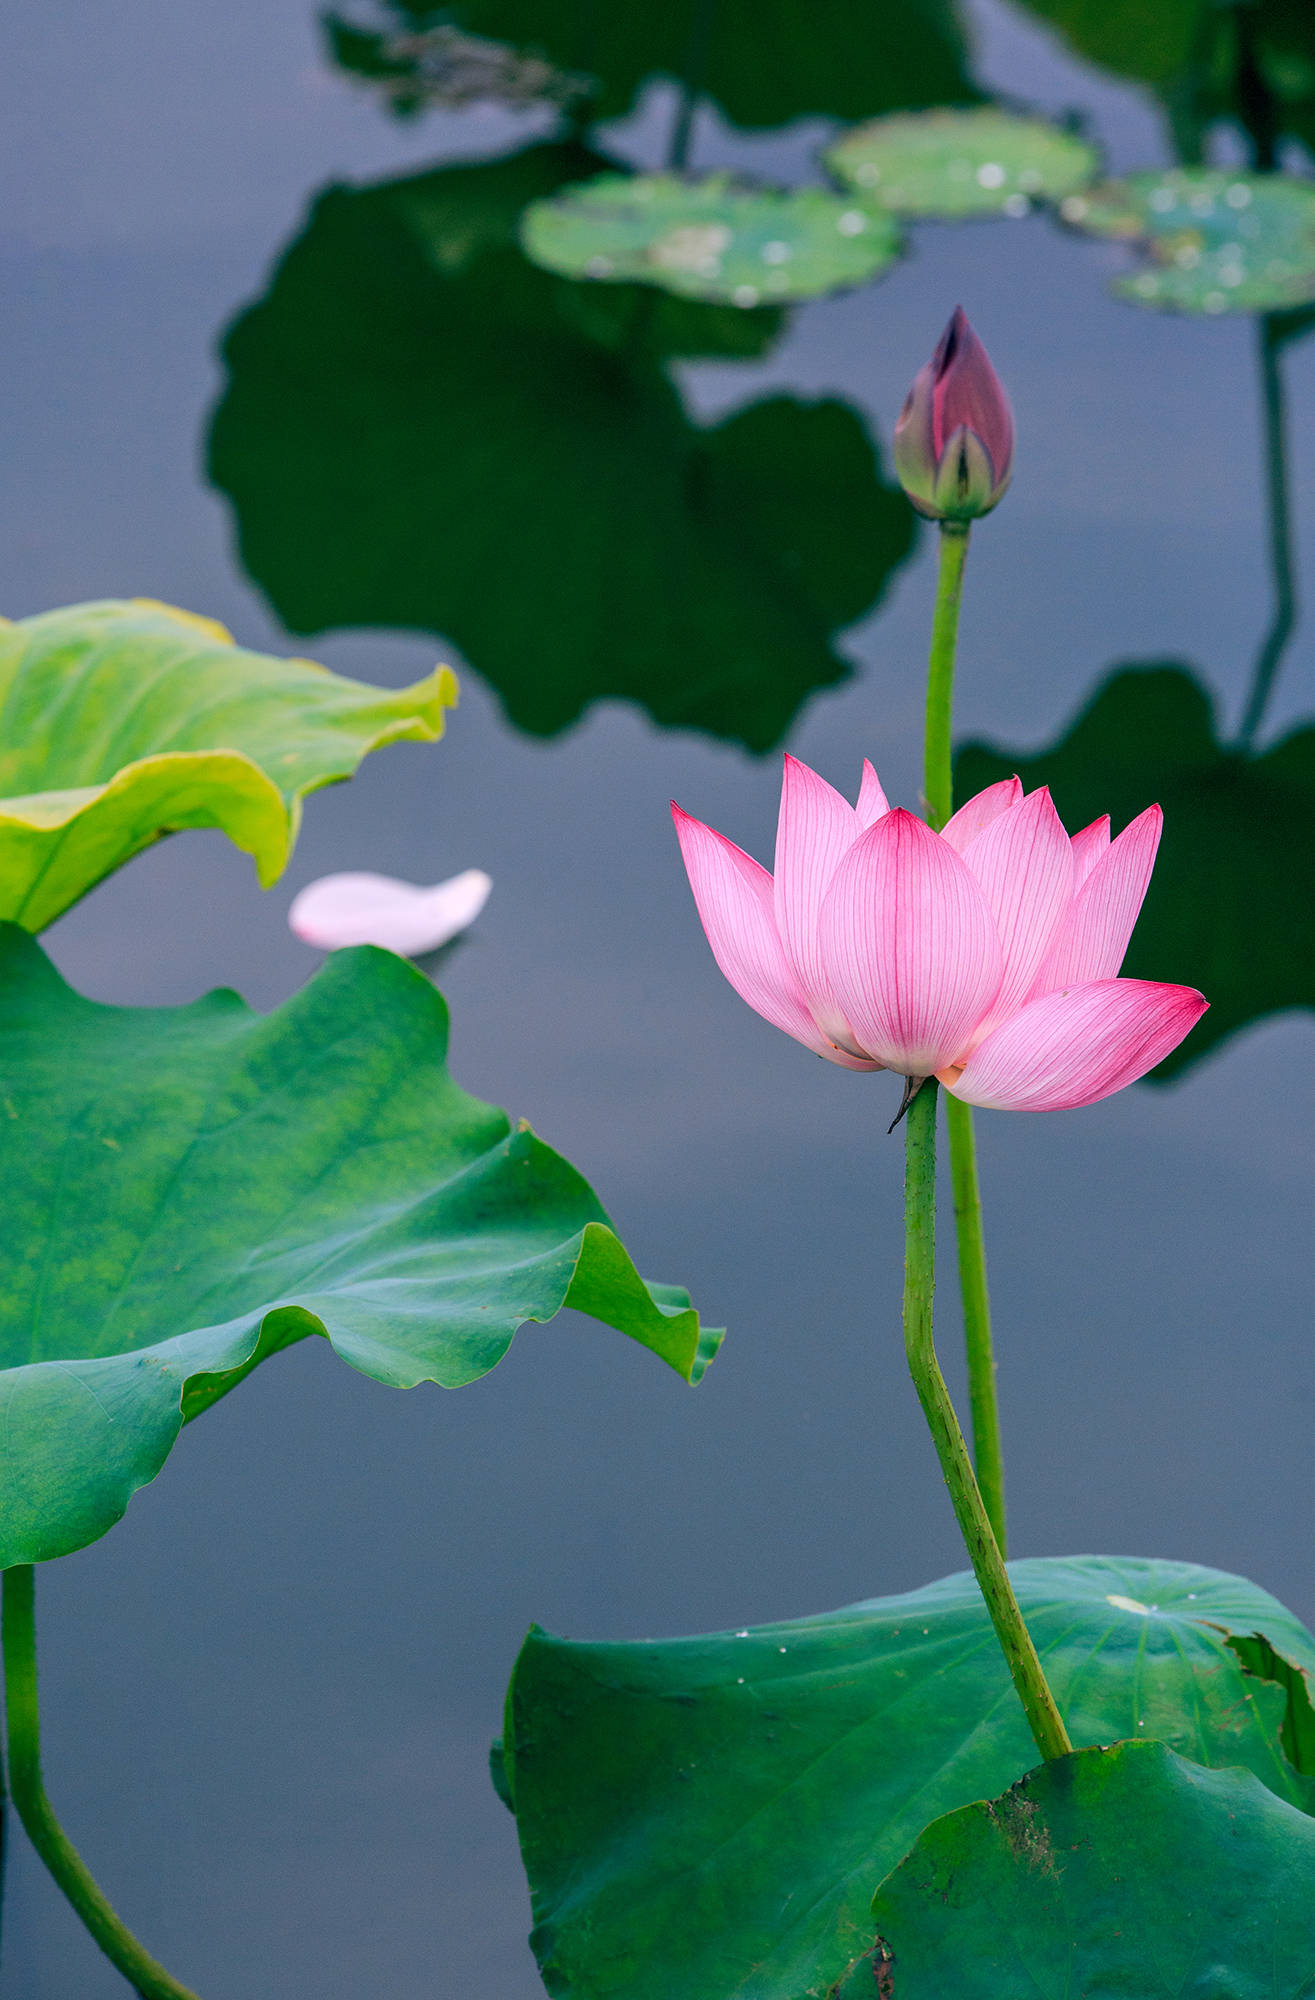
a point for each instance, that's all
(872, 801)
(734, 897)
(910, 945)
(1024, 862)
(1089, 846)
(1076, 1045)
(1093, 938)
(976, 816)
(360, 908)
(815, 831)
(968, 392)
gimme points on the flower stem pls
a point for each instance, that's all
(1043, 1716)
(983, 1400)
(938, 782)
(1279, 516)
(988, 1452)
(34, 1809)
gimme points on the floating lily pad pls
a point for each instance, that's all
(424, 431)
(708, 1818)
(188, 1189)
(126, 721)
(1113, 1871)
(711, 239)
(1217, 242)
(961, 163)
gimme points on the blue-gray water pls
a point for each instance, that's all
(269, 1692)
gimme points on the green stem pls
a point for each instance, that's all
(938, 781)
(1043, 1716)
(983, 1397)
(1279, 516)
(34, 1809)
(988, 1453)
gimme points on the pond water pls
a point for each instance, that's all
(269, 1693)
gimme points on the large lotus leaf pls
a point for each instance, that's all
(761, 61)
(188, 1189)
(1229, 909)
(954, 164)
(716, 238)
(120, 722)
(708, 1818)
(1113, 1871)
(1217, 242)
(423, 430)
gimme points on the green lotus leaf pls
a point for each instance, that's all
(716, 238)
(423, 430)
(188, 1189)
(706, 1818)
(1124, 1870)
(126, 721)
(955, 164)
(1229, 909)
(756, 59)
(1216, 242)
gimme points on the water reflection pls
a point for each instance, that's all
(761, 65)
(422, 430)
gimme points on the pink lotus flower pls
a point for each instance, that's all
(954, 439)
(986, 955)
(360, 908)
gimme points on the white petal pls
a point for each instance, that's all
(360, 908)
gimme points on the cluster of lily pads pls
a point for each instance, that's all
(1209, 240)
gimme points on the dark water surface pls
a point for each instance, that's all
(269, 1692)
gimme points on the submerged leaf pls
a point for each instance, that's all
(707, 1818)
(189, 1189)
(1122, 1870)
(126, 721)
(424, 431)
(1217, 241)
(716, 238)
(954, 164)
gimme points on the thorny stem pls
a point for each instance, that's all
(1029, 1680)
(983, 1401)
(34, 1809)
(1279, 514)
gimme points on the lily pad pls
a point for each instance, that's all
(708, 1818)
(1217, 242)
(717, 238)
(189, 1189)
(956, 164)
(126, 721)
(1122, 1870)
(423, 430)
(1229, 909)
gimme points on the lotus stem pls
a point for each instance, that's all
(983, 1398)
(34, 1809)
(1043, 1717)
(1278, 513)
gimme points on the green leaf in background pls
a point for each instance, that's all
(1217, 242)
(1230, 908)
(188, 1189)
(716, 238)
(760, 61)
(956, 164)
(1112, 1871)
(708, 1818)
(120, 722)
(424, 431)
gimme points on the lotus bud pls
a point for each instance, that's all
(954, 441)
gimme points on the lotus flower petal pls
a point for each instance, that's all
(815, 831)
(910, 945)
(733, 893)
(1094, 936)
(361, 908)
(1077, 1045)
(1089, 846)
(968, 395)
(976, 816)
(1024, 862)
(872, 801)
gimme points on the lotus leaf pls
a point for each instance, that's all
(1216, 241)
(955, 164)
